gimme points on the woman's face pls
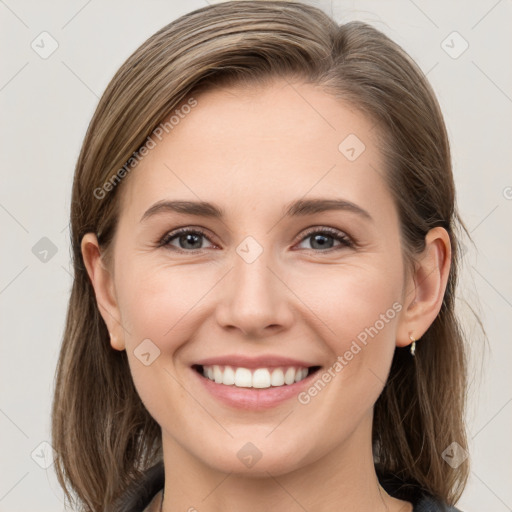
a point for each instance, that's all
(298, 265)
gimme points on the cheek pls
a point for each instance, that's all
(159, 303)
(349, 299)
(163, 302)
(156, 301)
(356, 308)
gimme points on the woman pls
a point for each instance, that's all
(302, 353)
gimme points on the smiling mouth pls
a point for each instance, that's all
(260, 378)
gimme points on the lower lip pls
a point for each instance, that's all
(253, 398)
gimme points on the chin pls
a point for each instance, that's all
(255, 458)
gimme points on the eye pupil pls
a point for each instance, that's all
(194, 239)
(321, 241)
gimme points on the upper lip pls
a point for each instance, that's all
(268, 361)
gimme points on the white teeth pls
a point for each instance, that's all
(229, 376)
(277, 378)
(243, 378)
(217, 375)
(259, 378)
(289, 376)
(301, 374)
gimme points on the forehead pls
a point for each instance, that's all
(265, 144)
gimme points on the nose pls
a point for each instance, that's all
(255, 299)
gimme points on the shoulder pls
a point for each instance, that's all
(421, 499)
(429, 504)
(155, 504)
(145, 495)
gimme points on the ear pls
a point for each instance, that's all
(103, 284)
(424, 290)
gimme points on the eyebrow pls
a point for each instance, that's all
(301, 207)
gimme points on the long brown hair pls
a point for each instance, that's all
(103, 436)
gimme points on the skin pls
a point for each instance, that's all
(252, 151)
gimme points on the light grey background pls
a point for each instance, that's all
(46, 105)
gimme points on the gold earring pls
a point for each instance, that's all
(413, 345)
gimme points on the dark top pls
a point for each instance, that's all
(137, 498)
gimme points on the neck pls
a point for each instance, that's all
(343, 478)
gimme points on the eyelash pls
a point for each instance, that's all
(345, 241)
